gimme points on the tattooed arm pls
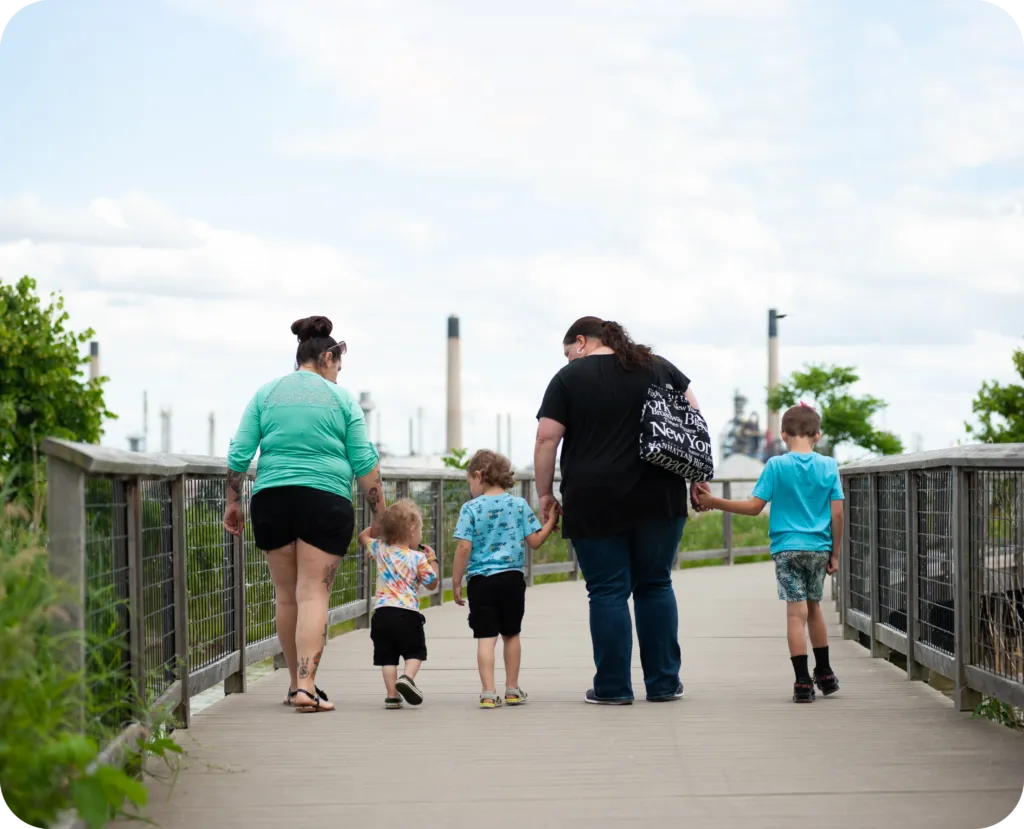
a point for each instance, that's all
(240, 454)
(373, 488)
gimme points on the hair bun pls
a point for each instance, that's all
(309, 327)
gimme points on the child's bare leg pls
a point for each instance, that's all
(390, 678)
(412, 667)
(796, 628)
(512, 654)
(816, 626)
(485, 662)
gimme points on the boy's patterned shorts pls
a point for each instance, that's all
(801, 575)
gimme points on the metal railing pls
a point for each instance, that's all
(933, 566)
(178, 605)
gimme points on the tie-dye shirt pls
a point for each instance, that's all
(400, 572)
(497, 526)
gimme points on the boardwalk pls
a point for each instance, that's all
(884, 752)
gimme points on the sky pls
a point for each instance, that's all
(193, 175)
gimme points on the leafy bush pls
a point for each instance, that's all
(55, 717)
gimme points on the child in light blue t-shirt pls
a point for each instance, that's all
(493, 532)
(805, 528)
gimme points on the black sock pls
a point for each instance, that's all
(821, 666)
(800, 667)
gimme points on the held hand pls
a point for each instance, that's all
(233, 519)
(546, 503)
(457, 595)
(696, 493)
(705, 500)
(833, 565)
(553, 515)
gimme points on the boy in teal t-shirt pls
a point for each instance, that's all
(805, 528)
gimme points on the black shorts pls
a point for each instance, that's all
(283, 514)
(497, 604)
(396, 634)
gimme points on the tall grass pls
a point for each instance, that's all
(56, 714)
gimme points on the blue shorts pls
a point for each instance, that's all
(800, 575)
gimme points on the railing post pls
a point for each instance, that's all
(964, 698)
(365, 565)
(873, 581)
(914, 670)
(66, 528)
(179, 558)
(136, 628)
(574, 575)
(235, 683)
(727, 525)
(437, 598)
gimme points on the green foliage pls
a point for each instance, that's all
(42, 393)
(844, 417)
(54, 717)
(1000, 409)
(456, 459)
(1000, 712)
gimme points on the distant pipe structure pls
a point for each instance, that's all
(453, 436)
(773, 438)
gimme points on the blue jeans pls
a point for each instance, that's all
(637, 562)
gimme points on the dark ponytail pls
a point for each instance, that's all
(314, 335)
(630, 355)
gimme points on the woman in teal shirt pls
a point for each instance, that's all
(312, 439)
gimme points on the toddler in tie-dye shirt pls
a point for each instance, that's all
(396, 628)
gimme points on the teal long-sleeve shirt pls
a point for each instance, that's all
(309, 432)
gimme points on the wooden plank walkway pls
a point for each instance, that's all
(735, 752)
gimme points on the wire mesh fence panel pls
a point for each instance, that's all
(107, 624)
(159, 651)
(453, 495)
(859, 500)
(892, 550)
(935, 558)
(209, 568)
(260, 623)
(996, 560)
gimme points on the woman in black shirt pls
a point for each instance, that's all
(623, 515)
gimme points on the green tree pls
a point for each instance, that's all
(1000, 409)
(845, 418)
(456, 459)
(42, 388)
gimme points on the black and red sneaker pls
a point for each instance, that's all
(803, 690)
(828, 684)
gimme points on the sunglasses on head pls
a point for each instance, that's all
(339, 348)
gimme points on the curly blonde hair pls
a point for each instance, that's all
(401, 520)
(494, 469)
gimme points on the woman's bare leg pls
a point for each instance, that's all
(283, 573)
(316, 572)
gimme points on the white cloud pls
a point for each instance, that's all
(695, 133)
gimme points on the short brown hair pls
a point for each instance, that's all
(801, 422)
(494, 469)
(400, 521)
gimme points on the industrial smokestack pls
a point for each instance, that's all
(94, 360)
(454, 432)
(145, 421)
(773, 436)
(508, 435)
(165, 431)
(213, 443)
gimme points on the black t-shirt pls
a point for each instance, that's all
(606, 487)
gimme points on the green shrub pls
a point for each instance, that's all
(56, 717)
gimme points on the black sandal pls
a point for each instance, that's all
(291, 695)
(310, 708)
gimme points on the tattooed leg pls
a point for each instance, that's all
(317, 571)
